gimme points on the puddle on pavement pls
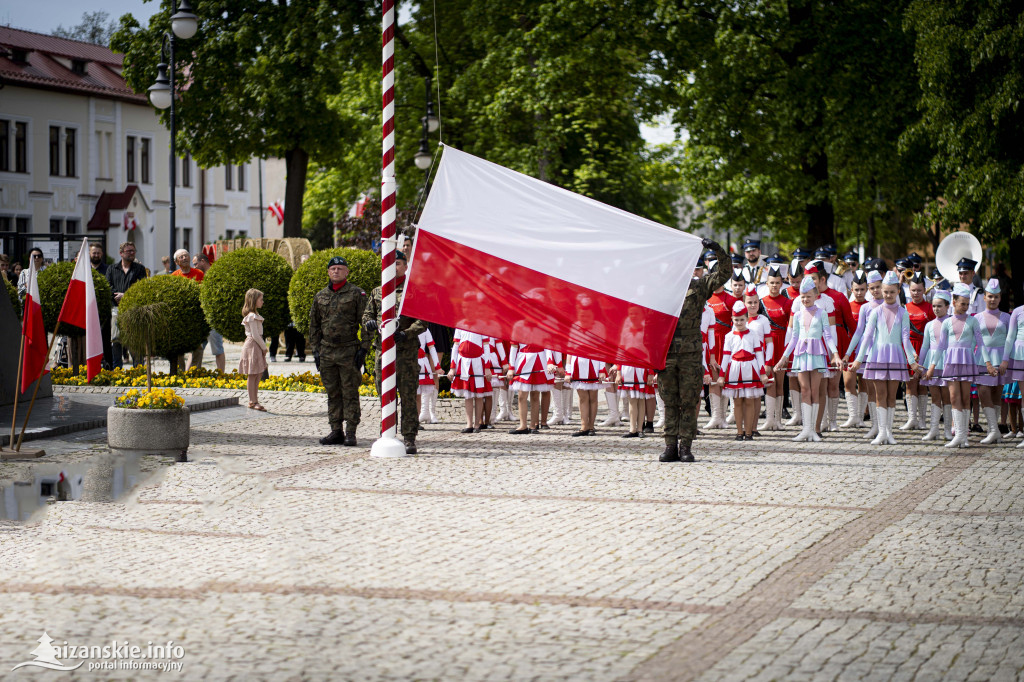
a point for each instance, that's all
(106, 478)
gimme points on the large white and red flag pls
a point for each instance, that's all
(80, 310)
(35, 345)
(506, 255)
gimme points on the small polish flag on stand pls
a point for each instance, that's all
(80, 310)
(129, 222)
(358, 208)
(36, 348)
(518, 259)
(276, 209)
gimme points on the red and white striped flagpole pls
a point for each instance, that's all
(388, 445)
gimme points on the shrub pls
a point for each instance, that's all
(311, 277)
(53, 285)
(234, 273)
(12, 292)
(182, 316)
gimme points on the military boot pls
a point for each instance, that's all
(350, 438)
(685, 454)
(410, 445)
(671, 453)
(335, 437)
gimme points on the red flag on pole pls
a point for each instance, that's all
(80, 310)
(34, 356)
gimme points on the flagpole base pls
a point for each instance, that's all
(386, 447)
(24, 453)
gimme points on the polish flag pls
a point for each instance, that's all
(36, 348)
(515, 258)
(358, 208)
(277, 210)
(80, 310)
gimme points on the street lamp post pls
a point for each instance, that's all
(162, 94)
(423, 157)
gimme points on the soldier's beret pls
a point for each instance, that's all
(337, 260)
(400, 256)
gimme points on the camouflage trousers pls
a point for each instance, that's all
(407, 375)
(680, 385)
(341, 377)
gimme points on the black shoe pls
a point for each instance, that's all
(1004, 429)
(544, 427)
(577, 434)
(757, 433)
(648, 427)
(518, 432)
(468, 429)
(336, 437)
(976, 428)
(630, 434)
(786, 414)
(762, 414)
(591, 432)
(410, 446)
(685, 455)
(287, 359)
(350, 440)
(671, 453)
(302, 358)
(484, 427)
(749, 437)
(819, 435)
(536, 431)
(739, 437)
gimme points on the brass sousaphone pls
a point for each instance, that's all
(954, 247)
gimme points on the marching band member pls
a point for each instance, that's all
(810, 344)
(759, 323)
(842, 321)
(959, 336)
(886, 353)
(471, 370)
(851, 262)
(430, 370)
(743, 372)
(816, 271)
(1012, 365)
(931, 359)
(721, 303)
(965, 268)
(827, 255)
(796, 275)
(754, 271)
(854, 408)
(867, 388)
(994, 325)
(920, 313)
(586, 375)
(777, 309)
(529, 377)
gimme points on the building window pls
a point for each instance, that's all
(242, 169)
(5, 223)
(78, 67)
(186, 170)
(21, 225)
(227, 176)
(55, 225)
(70, 153)
(71, 226)
(54, 150)
(20, 147)
(144, 161)
(229, 234)
(5, 145)
(186, 239)
(130, 159)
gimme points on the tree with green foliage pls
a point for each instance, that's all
(311, 277)
(971, 60)
(794, 111)
(234, 273)
(96, 27)
(181, 326)
(54, 281)
(260, 76)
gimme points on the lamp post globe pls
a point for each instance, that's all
(422, 159)
(184, 22)
(160, 91)
(432, 122)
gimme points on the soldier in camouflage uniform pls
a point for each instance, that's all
(334, 336)
(681, 381)
(407, 346)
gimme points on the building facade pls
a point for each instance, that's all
(82, 155)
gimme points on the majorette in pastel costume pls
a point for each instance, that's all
(994, 326)
(920, 314)
(811, 344)
(959, 337)
(931, 355)
(743, 354)
(885, 350)
(430, 367)
(863, 313)
(1013, 349)
(823, 303)
(471, 356)
(530, 366)
(856, 400)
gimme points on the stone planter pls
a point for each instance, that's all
(148, 432)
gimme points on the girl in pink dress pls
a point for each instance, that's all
(253, 361)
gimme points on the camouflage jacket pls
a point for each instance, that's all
(410, 325)
(697, 295)
(335, 316)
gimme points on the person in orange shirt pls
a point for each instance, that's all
(185, 269)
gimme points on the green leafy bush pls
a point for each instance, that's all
(311, 277)
(234, 273)
(182, 321)
(12, 291)
(53, 285)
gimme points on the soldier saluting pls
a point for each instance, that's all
(334, 335)
(407, 346)
(681, 381)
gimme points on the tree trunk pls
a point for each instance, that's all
(149, 370)
(821, 218)
(869, 241)
(297, 164)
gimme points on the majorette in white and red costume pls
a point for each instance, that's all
(471, 356)
(430, 365)
(530, 367)
(743, 361)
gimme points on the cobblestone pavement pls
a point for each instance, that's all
(544, 557)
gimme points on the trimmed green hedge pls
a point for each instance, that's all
(188, 327)
(53, 285)
(12, 291)
(224, 286)
(311, 277)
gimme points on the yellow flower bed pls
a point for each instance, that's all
(304, 382)
(156, 399)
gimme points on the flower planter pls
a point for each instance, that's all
(148, 432)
